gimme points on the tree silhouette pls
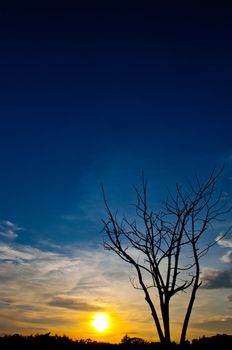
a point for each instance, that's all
(165, 247)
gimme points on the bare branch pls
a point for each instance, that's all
(165, 247)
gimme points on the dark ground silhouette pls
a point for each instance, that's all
(55, 342)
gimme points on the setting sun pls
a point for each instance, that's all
(100, 322)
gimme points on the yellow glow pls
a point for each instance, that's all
(100, 322)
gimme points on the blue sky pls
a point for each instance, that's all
(96, 93)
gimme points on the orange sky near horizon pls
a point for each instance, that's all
(59, 293)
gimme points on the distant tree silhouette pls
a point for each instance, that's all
(55, 342)
(219, 341)
(164, 247)
(133, 340)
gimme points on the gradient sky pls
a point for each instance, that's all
(95, 93)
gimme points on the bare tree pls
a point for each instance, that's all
(164, 247)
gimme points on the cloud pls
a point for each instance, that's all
(59, 289)
(216, 279)
(9, 223)
(223, 242)
(216, 323)
(22, 254)
(48, 244)
(227, 258)
(73, 304)
(8, 230)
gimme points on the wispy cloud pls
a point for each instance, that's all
(8, 230)
(58, 288)
(73, 304)
(46, 244)
(216, 279)
(54, 290)
(216, 323)
(227, 258)
(223, 242)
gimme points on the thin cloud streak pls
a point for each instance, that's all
(8, 230)
(72, 304)
(224, 323)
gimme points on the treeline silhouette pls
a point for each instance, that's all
(56, 342)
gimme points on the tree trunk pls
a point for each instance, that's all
(166, 322)
(186, 320)
(188, 312)
(156, 320)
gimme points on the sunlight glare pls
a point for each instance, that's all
(100, 322)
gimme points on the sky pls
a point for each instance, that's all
(94, 93)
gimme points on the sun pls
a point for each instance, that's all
(100, 322)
